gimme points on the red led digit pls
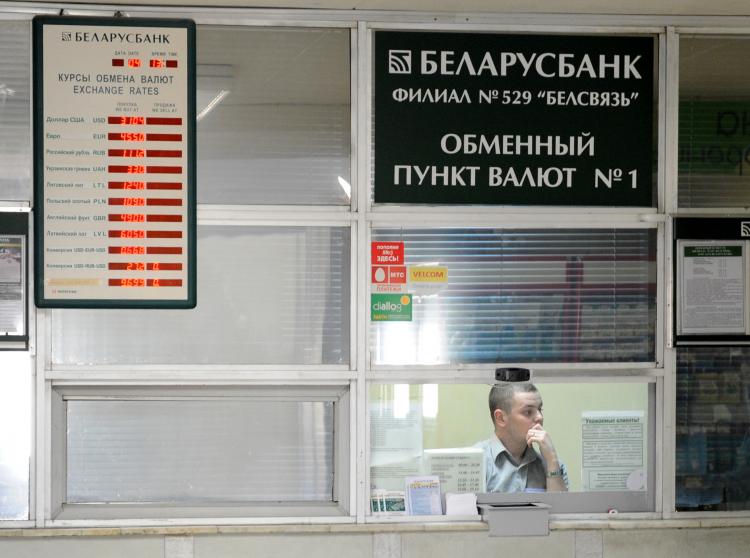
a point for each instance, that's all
(134, 63)
(126, 153)
(132, 282)
(129, 185)
(127, 234)
(126, 120)
(127, 250)
(126, 136)
(128, 217)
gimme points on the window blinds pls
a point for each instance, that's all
(181, 451)
(266, 295)
(525, 296)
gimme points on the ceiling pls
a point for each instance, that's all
(635, 7)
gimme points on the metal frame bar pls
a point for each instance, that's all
(361, 216)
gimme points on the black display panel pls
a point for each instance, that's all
(470, 118)
(14, 268)
(711, 287)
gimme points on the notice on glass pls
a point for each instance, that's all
(114, 151)
(613, 450)
(459, 469)
(12, 285)
(395, 445)
(711, 289)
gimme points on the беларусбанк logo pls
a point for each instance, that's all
(545, 65)
(399, 61)
(114, 37)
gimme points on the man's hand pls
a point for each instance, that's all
(537, 435)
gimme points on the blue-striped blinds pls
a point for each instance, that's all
(541, 295)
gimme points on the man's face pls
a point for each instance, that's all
(525, 412)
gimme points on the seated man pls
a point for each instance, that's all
(513, 463)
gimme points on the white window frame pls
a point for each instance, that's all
(716, 27)
(361, 216)
(65, 514)
(519, 218)
(573, 505)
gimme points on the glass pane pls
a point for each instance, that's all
(714, 123)
(713, 428)
(524, 296)
(600, 432)
(15, 434)
(266, 295)
(224, 450)
(15, 121)
(274, 122)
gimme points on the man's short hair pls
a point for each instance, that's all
(501, 395)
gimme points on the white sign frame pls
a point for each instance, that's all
(115, 162)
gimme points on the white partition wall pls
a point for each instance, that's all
(339, 335)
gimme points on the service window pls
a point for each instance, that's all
(602, 433)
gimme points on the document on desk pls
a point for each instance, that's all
(460, 503)
(423, 495)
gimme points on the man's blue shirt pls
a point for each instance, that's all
(503, 474)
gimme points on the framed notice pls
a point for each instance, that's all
(480, 118)
(712, 287)
(613, 450)
(13, 280)
(114, 156)
(711, 280)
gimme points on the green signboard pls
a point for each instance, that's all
(713, 251)
(390, 307)
(485, 118)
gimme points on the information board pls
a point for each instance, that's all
(711, 287)
(14, 230)
(478, 118)
(613, 450)
(114, 154)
